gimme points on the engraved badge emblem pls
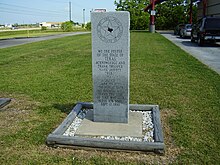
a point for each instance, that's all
(109, 29)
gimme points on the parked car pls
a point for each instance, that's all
(14, 27)
(178, 28)
(206, 29)
(186, 31)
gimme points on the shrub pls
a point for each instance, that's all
(67, 26)
(88, 26)
(43, 28)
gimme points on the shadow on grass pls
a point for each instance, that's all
(139, 31)
(166, 32)
(64, 108)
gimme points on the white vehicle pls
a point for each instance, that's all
(186, 31)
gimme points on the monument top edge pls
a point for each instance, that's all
(109, 12)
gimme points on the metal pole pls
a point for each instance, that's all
(190, 12)
(70, 10)
(204, 7)
(84, 17)
(152, 25)
(153, 7)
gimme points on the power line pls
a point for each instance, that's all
(56, 1)
(29, 10)
(12, 12)
(74, 3)
(25, 10)
(32, 8)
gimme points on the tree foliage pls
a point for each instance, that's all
(139, 18)
(173, 12)
(67, 26)
(168, 14)
(88, 26)
(43, 28)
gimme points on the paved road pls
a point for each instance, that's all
(9, 30)
(209, 54)
(19, 41)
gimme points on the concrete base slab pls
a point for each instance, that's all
(4, 102)
(90, 128)
(58, 139)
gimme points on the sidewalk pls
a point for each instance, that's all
(209, 54)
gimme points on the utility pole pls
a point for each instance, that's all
(204, 7)
(70, 10)
(190, 12)
(152, 19)
(84, 17)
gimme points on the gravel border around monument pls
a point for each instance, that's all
(147, 127)
(63, 135)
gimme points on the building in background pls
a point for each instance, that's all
(2, 26)
(208, 8)
(50, 24)
(8, 25)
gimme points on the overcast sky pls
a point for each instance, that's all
(35, 11)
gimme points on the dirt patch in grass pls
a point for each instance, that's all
(20, 109)
(172, 151)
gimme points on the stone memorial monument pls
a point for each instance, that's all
(111, 122)
(110, 66)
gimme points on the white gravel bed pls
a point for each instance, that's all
(147, 126)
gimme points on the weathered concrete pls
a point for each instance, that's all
(59, 140)
(90, 128)
(110, 66)
(4, 102)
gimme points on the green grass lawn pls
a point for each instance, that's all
(31, 33)
(47, 78)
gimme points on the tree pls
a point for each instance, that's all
(67, 26)
(139, 18)
(43, 28)
(15, 25)
(173, 12)
(169, 13)
(88, 26)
